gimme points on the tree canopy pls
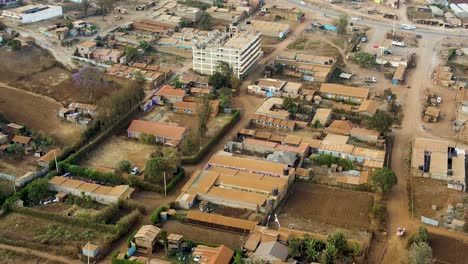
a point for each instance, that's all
(205, 22)
(338, 240)
(204, 113)
(384, 178)
(364, 59)
(89, 79)
(290, 105)
(381, 121)
(124, 166)
(420, 253)
(37, 189)
(341, 24)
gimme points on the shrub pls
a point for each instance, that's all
(378, 211)
(177, 178)
(157, 213)
(421, 237)
(124, 166)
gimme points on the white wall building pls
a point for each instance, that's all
(33, 13)
(460, 10)
(242, 51)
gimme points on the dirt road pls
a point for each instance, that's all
(40, 254)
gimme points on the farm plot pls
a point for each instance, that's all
(309, 203)
(57, 238)
(203, 234)
(448, 250)
(18, 164)
(17, 257)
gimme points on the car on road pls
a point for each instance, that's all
(418, 36)
(356, 18)
(196, 259)
(364, 39)
(370, 80)
(302, 3)
(388, 52)
(407, 27)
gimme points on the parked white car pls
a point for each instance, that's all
(302, 3)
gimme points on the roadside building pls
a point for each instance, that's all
(146, 238)
(273, 108)
(21, 140)
(190, 108)
(107, 55)
(398, 76)
(86, 48)
(33, 13)
(85, 109)
(322, 117)
(90, 250)
(221, 222)
(213, 255)
(353, 179)
(266, 87)
(343, 92)
(308, 67)
(265, 121)
(100, 193)
(443, 76)
(164, 134)
(241, 51)
(431, 115)
(50, 156)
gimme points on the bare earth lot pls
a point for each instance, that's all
(309, 203)
(119, 148)
(58, 238)
(18, 166)
(207, 235)
(9, 257)
(449, 250)
(18, 64)
(429, 192)
(38, 113)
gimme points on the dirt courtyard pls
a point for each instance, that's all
(429, 192)
(308, 204)
(207, 235)
(119, 148)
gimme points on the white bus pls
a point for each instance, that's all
(407, 27)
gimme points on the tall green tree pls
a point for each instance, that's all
(290, 105)
(383, 178)
(381, 121)
(422, 236)
(364, 59)
(206, 22)
(37, 189)
(145, 45)
(341, 24)
(154, 169)
(225, 96)
(217, 80)
(124, 166)
(420, 253)
(204, 113)
(131, 53)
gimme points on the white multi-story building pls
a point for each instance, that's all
(242, 51)
(33, 13)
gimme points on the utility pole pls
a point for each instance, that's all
(88, 252)
(56, 164)
(165, 193)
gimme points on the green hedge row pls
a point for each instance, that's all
(177, 179)
(155, 216)
(136, 182)
(109, 178)
(215, 140)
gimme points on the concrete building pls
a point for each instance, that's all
(460, 10)
(437, 159)
(309, 67)
(368, 108)
(100, 193)
(90, 250)
(241, 51)
(170, 94)
(273, 108)
(164, 134)
(322, 116)
(174, 241)
(344, 92)
(33, 13)
(50, 156)
(339, 127)
(365, 135)
(398, 76)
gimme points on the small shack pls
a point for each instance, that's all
(61, 196)
(90, 250)
(174, 241)
(431, 115)
(146, 238)
(3, 138)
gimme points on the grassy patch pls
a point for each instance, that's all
(299, 44)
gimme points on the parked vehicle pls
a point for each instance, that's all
(196, 259)
(398, 43)
(418, 36)
(364, 39)
(302, 2)
(370, 80)
(400, 231)
(387, 52)
(356, 18)
(135, 171)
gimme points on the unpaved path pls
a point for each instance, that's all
(41, 254)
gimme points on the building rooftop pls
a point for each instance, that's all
(399, 72)
(212, 255)
(149, 232)
(369, 153)
(322, 115)
(168, 90)
(432, 111)
(272, 107)
(241, 39)
(88, 44)
(363, 131)
(335, 139)
(278, 84)
(344, 90)
(370, 106)
(341, 127)
(259, 166)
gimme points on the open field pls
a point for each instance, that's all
(448, 250)
(320, 43)
(58, 238)
(38, 113)
(309, 203)
(429, 192)
(118, 148)
(18, 165)
(15, 65)
(204, 234)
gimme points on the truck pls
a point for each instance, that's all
(398, 43)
